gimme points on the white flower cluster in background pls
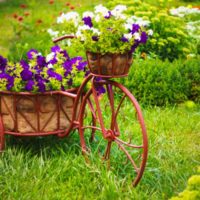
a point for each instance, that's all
(182, 11)
(118, 12)
(70, 16)
(193, 29)
(136, 20)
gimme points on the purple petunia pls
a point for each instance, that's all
(144, 37)
(53, 74)
(108, 15)
(88, 21)
(124, 39)
(3, 63)
(10, 80)
(29, 85)
(95, 38)
(81, 66)
(41, 61)
(26, 75)
(65, 54)
(55, 49)
(133, 47)
(30, 54)
(41, 86)
(24, 64)
(135, 28)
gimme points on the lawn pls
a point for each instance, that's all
(50, 168)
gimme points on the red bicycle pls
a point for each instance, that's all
(110, 125)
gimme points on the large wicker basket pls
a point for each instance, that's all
(109, 65)
(36, 113)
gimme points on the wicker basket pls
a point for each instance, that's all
(36, 113)
(109, 65)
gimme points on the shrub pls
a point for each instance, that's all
(192, 192)
(159, 83)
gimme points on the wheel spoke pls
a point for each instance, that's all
(128, 156)
(128, 144)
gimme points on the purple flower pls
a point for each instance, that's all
(41, 86)
(81, 66)
(124, 39)
(68, 67)
(24, 64)
(144, 37)
(3, 63)
(69, 82)
(65, 54)
(108, 15)
(55, 49)
(31, 53)
(135, 28)
(88, 21)
(133, 47)
(29, 85)
(53, 74)
(95, 38)
(87, 73)
(41, 61)
(10, 80)
(26, 75)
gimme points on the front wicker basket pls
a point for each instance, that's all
(109, 65)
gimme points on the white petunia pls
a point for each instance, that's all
(128, 36)
(84, 27)
(70, 16)
(137, 36)
(142, 22)
(128, 26)
(96, 31)
(50, 66)
(50, 56)
(97, 18)
(101, 9)
(118, 10)
(150, 32)
(88, 14)
(52, 33)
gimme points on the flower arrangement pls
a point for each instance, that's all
(56, 71)
(104, 31)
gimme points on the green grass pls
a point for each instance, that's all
(51, 168)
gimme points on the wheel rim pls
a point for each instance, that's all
(119, 118)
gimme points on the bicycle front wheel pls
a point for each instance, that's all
(112, 127)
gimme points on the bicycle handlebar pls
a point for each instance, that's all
(63, 38)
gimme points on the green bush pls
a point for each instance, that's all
(192, 192)
(155, 82)
(170, 39)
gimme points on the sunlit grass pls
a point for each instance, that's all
(52, 168)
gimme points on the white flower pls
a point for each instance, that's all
(118, 10)
(150, 32)
(96, 31)
(128, 36)
(88, 14)
(52, 33)
(142, 22)
(137, 36)
(69, 43)
(70, 16)
(50, 66)
(128, 26)
(101, 9)
(97, 18)
(84, 27)
(50, 56)
(182, 11)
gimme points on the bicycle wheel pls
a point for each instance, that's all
(112, 127)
